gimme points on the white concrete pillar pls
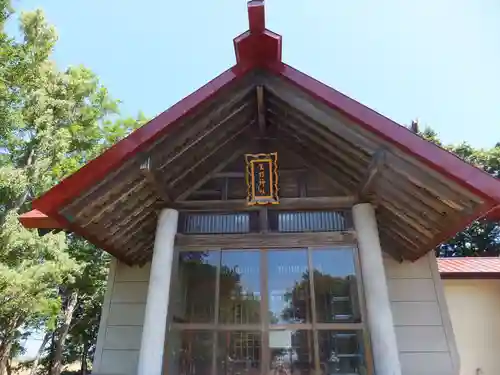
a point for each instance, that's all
(155, 320)
(378, 306)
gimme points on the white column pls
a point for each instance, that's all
(380, 321)
(155, 320)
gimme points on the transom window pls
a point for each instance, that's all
(279, 311)
(276, 221)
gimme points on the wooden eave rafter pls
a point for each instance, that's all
(220, 165)
(153, 179)
(311, 203)
(367, 186)
(319, 118)
(261, 110)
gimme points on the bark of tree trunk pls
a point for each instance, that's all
(30, 158)
(36, 361)
(62, 332)
(52, 349)
(5, 348)
(6, 342)
(84, 360)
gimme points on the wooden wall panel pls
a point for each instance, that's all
(119, 341)
(426, 346)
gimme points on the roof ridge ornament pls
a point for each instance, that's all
(257, 47)
(256, 16)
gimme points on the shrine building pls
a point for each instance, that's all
(269, 224)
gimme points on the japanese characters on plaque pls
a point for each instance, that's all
(262, 178)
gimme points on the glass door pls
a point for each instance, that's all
(216, 313)
(266, 312)
(290, 341)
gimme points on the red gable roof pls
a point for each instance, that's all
(261, 48)
(469, 267)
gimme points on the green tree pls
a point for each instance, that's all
(51, 122)
(78, 319)
(482, 237)
(77, 323)
(30, 271)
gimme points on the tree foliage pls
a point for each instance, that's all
(482, 237)
(52, 121)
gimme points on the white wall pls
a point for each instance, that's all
(119, 338)
(475, 314)
(423, 328)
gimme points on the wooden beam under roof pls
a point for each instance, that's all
(214, 150)
(242, 174)
(301, 127)
(340, 202)
(154, 181)
(324, 151)
(261, 110)
(265, 240)
(184, 131)
(374, 169)
(201, 181)
(242, 110)
(320, 166)
(300, 104)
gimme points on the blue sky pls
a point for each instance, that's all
(433, 60)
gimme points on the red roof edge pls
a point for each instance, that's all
(97, 169)
(469, 264)
(38, 220)
(494, 215)
(257, 47)
(469, 267)
(439, 159)
(470, 275)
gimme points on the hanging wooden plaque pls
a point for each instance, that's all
(262, 178)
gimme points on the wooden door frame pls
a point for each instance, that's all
(264, 327)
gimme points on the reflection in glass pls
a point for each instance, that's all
(335, 288)
(194, 300)
(341, 352)
(288, 347)
(292, 352)
(190, 352)
(288, 278)
(239, 353)
(239, 291)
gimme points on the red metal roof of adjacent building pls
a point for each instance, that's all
(469, 267)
